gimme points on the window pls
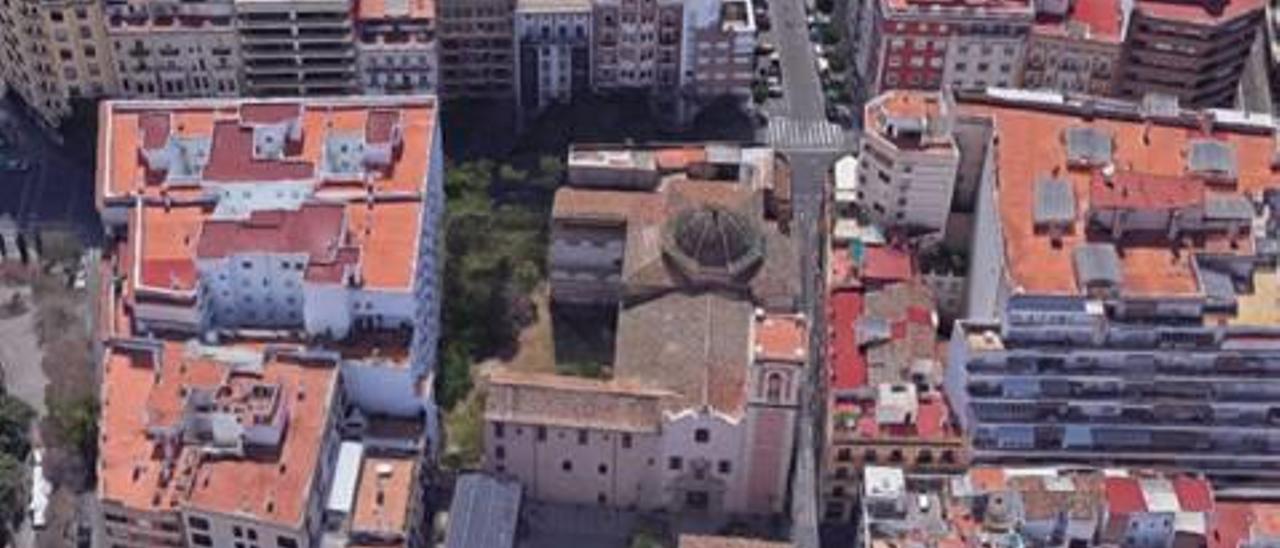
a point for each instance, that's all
(237, 531)
(844, 455)
(626, 441)
(895, 455)
(582, 437)
(500, 452)
(674, 463)
(773, 388)
(201, 540)
(842, 472)
(603, 469)
(542, 433)
(64, 54)
(498, 430)
(567, 466)
(199, 524)
(286, 542)
(869, 456)
(701, 435)
(725, 467)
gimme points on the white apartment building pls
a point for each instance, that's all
(718, 54)
(167, 49)
(553, 51)
(275, 236)
(979, 60)
(908, 163)
(397, 46)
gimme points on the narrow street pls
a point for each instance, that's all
(798, 127)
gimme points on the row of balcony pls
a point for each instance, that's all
(1120, 390)
(1189, 416)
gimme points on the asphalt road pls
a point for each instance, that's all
(58, 187)
(798, 127)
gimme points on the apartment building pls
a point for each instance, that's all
(270, 320)
(553, 52)
(54, 52)
(884, 400)
(397, 47)
(1195, 51)
(1076, 51)
(1052, 506)
(906, 170)
(304, 47)
(697, 415)
(928, 44)
(1121, 286)
(718, 56)
(167, 49)
(477, 48)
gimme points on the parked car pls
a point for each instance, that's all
(14, 164)
(775, 86)
(839, 114)
(765, 48)
(763, 23)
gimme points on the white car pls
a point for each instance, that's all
(40, 490)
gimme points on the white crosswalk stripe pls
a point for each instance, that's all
(804, 134)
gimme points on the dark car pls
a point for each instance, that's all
(14, 164)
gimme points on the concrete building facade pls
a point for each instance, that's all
(397, 47)
(304, 47)
(54, 53)
(477, 48)
(1194, 52)
(553, 52)
(163, 49)
(1121, 296)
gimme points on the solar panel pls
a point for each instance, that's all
(1212, 158)
(1088, 146)
(1055, 202)
(1097, 265)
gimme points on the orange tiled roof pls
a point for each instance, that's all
(140, 391)
(1030, 148)
(383, 495)
(782, 337)
(128, 126)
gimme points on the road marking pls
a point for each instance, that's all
(789, 133)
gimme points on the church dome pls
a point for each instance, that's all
(710, 240)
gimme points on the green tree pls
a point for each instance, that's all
(13, 482)
(75, 424)
(15, 423)
(455, 374)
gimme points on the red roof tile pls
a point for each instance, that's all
(882, 263)
(231, 159)
(848, 367)
(269, 113)
(1194, 495)
(1229, 526)
(378, 128)
(313, 229)
(1124, 496)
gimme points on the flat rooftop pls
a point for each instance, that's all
(1093, 20)
(1031, 147)
(147, 390)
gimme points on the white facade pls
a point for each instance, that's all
(406, 68)
(156, 56)
(982, 61)
(906, 187)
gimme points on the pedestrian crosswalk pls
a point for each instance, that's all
(790, 133)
